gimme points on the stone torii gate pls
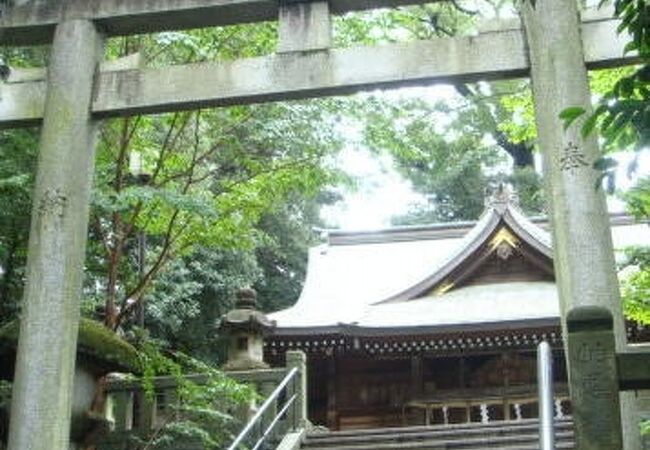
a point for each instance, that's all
(556, 50)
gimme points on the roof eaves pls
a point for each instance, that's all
(472, 241)
(346, 330)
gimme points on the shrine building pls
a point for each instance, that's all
(432, 324)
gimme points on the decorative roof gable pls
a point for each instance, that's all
(502, 237)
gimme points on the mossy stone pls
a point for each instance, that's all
(98, 345)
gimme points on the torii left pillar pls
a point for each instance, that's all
(42, 391)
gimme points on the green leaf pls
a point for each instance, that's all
(605, 163)
(589, 125)
(631, 47)
(610, 182)
(570, 114)
(625, 87)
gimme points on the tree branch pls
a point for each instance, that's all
(462, 9)
(205, 155)
(520, 152)
(136, 293)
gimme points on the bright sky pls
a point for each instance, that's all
(382, 193)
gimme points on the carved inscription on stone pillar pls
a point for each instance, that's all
(52, 203)
(572, 158)
(593, 372)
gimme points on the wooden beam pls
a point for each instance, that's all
(32, 22)
(332, 389)
(488, 56)
(634, 369)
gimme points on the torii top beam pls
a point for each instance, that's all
(498, 53)
(33, 22)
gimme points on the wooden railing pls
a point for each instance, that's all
(484, 406)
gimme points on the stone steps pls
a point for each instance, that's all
(521, 435)
(494, 427)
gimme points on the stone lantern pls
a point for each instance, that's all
(244, 327)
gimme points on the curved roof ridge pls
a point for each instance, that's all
(517, 220)
(442, 230)
(494, 215)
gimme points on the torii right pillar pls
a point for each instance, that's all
(583, 252)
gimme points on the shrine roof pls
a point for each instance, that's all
(396, 278)
(472, 307)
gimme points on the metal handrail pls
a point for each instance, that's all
(265, 406)
(545, 387)
(277, 418)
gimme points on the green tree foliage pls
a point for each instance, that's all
(188, 298)
(518, 122)
(635, 292)
(441, 19)
(623, 115)
(452, 150)
(448, 170)
(205, 412)
(209, 180)
(637, 199)
(635, 288)
(18, 149)
(205, 179)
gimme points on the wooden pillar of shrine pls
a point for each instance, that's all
(505, 358)
(416, 376)
(332, 382)
(417, 379)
